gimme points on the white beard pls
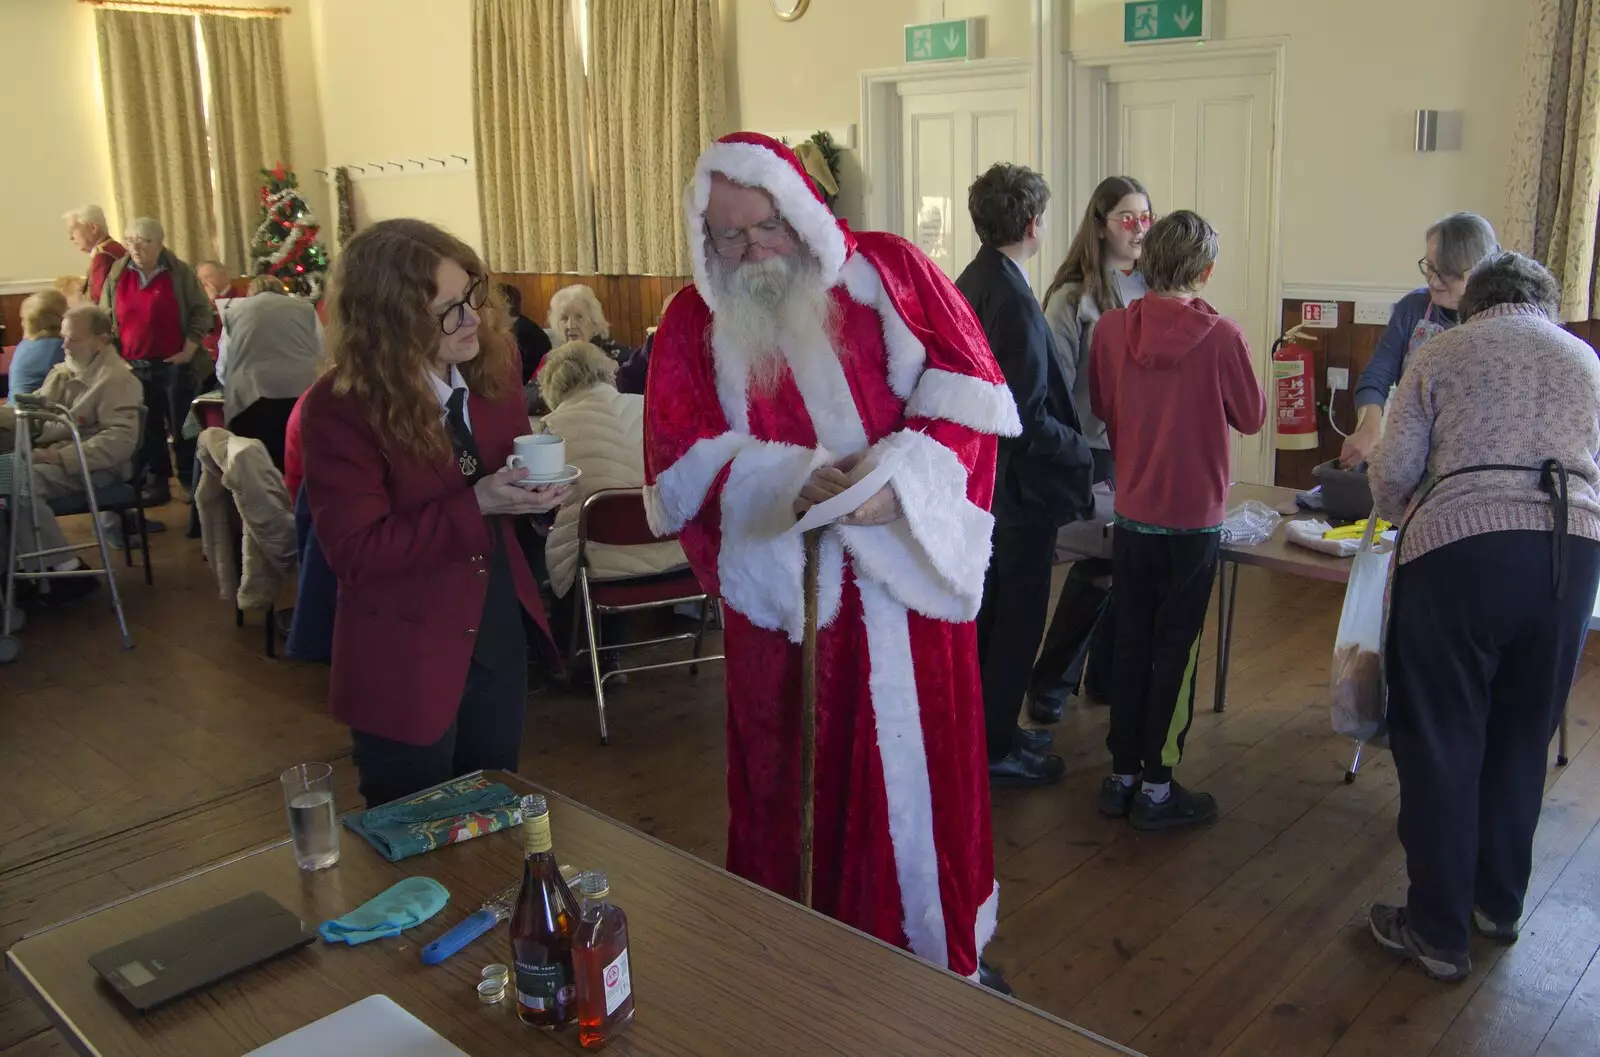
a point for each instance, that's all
(767, 308)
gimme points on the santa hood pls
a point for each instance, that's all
(755, 160)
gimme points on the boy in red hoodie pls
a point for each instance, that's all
(1169, 377)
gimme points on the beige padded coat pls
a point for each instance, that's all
(604, 431)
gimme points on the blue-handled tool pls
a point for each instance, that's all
(494, 911)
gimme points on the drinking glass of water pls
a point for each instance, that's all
(308, 792)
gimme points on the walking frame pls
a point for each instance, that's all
(30, 410)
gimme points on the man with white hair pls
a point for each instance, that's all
(162, 316)
(86, 227)
(807, 360)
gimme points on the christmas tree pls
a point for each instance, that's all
(286, 243)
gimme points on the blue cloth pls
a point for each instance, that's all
(457, 811)
(403, 906)
(32, 361)
(1389, 358)
(311, 629)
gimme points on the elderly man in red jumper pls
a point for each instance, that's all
(805, 360)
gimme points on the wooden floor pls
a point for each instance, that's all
(121, 769)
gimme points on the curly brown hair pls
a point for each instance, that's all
(383, 333)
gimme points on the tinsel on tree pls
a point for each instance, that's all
(285, 243)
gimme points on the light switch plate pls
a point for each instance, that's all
(1375, 313)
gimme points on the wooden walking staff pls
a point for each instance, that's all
(808, 714)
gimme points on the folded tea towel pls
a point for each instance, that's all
(455, 812)
(405, 905)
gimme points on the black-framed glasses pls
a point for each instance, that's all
(455, 313)
(733, 242)
(1430, 271)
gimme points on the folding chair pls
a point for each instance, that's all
(121, 499)
(615, 517)
(31, 409)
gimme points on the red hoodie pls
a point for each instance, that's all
(1168, 378)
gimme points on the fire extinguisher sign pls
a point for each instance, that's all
(1323, 314)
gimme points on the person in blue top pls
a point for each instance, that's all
(40, 348)
(1455, 246)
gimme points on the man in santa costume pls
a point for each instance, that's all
(804, 357)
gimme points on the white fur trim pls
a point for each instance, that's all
(906, 354)
(756, 166)
(966, 401)
(825, 391)
(680, 490)
(932, 560)
(988, 917)
(762, 558)
(733, 383)
(907, 790)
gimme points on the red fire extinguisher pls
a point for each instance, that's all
(1294, 371)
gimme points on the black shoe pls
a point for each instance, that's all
(1024, 768)
(1181, 808)
(993, 979)
(1116, 799)
(1395, 935)
(1035, 740)
(65, 591)
(1045, 709)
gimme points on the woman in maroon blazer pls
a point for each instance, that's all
(405, 439)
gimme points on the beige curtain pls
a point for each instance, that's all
(527, 104)
(655, 83)
(160, 166)
(1553, 198)
(249, 124)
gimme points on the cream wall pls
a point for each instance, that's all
(1356, 194)
(61, 156)
(397, 84)
(56, 134)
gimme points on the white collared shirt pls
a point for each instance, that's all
(443, 391)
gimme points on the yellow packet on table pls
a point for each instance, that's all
(1354, 532)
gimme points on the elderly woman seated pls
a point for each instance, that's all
(100, 392)
(40, 348)
(269, 354)
(1488, 460)
(576, 315)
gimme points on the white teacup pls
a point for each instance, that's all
(543, 455)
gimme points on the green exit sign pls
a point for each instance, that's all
(1159, 21)
(960, 38)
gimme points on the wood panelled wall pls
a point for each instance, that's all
(1349, 345)
(11, 317)
(632, 303)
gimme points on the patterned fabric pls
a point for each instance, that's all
(249, 122)
(160, 165)
(657, 86)
(527, 103)
(447, 814)
(1553, 191)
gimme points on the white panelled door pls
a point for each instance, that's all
(949, 135)
(1205, 143)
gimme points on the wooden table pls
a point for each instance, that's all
(719, 965)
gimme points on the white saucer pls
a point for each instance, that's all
(568, 474)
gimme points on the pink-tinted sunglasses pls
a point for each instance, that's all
(1131, 222)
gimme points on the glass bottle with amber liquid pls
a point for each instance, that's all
(542, 927)
(600, 964)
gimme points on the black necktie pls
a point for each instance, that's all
(461, 437)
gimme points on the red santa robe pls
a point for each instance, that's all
(902, 843)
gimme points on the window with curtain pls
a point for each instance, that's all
(194, 106)
(1553, 192)
(590, 116)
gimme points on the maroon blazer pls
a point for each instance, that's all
(411, 551)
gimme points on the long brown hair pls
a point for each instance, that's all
(382, 332)
(1084, 264)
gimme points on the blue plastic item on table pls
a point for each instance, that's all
(397, 908)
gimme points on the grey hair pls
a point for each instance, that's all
(147, 228)
(1464, 240)
(573, 368)
(266, 284)
(1510, 279)
(1177, 252)
(88, 213)
(591, 305)
(98, 319)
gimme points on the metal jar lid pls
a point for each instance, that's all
(492, 990)
(496, 971)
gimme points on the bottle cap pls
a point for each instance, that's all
(592, 885)
(570, 874)
(534, 805)
(497, 971)
(492, 990)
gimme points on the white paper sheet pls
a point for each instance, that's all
(372, 1027)
(849, 500)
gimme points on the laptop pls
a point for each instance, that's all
(196, 952)
(374, 1027)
